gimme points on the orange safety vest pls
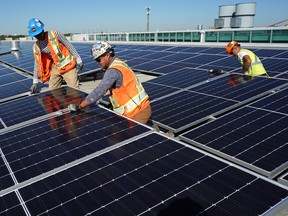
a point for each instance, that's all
(131, 98)
(61, 57)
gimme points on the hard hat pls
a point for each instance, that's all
(230, 46)
(35, 27)
(100, 48)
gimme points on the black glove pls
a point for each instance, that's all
(74, 107)
(34, 88)
(80, 66)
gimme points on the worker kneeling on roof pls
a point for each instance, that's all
(128, 97)
(251, 64)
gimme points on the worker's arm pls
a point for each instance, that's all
(111, 77)
(246, 63)
(71, 48)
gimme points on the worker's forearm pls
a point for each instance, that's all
(84, 104)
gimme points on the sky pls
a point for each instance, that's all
(94, 16)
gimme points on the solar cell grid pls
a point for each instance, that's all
(251, 137)
(216, 50)
(38, 105)
(269, 52)
(16, 88)
(156, 91)
(275, 102)
(184, 109)
(182, 78)
(275, 65)
(46, 145)
(6, 71)
(10, 78)
(239, 87)
(147, 176)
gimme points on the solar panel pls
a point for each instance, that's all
(183, 78)
(251, 137)
(16, 89)
(34, 106)
(203, 102)
(148, 176)
(44, 145)
(156, 91)
(239, 87)
(185, 109)
(275, 65)
(276, 102)
(269, 52)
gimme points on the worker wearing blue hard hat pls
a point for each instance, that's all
(55, 57)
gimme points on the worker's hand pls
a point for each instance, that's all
(34, 88)
(80, 66)
(74, 107)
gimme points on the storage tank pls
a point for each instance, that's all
(245, 13)
(226, 12)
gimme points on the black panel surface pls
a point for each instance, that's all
(275, 102)
(255, 138)
(44, 146)
(182, 78)
(178, 111)
(239, 87)
(150, 176)
(27, 108)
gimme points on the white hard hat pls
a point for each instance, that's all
(100, 48)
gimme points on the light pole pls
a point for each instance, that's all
(148, 9)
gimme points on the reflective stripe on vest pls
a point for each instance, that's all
(256, 67)
(62, 60)
(136, 100)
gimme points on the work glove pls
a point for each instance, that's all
(80, 66)
(34, 88)
(79, 63)
(74, 107)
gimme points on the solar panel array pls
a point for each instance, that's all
(228, 157)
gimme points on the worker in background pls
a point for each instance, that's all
(251, 64)
(55, 57)
(127, 94)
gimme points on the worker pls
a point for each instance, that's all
(251, 64)
(127, 95)
(55, 58)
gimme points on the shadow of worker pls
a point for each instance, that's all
(182, 207)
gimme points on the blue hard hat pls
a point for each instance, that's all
(35, 27)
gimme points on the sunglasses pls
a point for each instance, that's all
(99, 58)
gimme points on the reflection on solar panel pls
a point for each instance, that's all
(38, 105)
(37, 148)
(239, 87)
(148, 176)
